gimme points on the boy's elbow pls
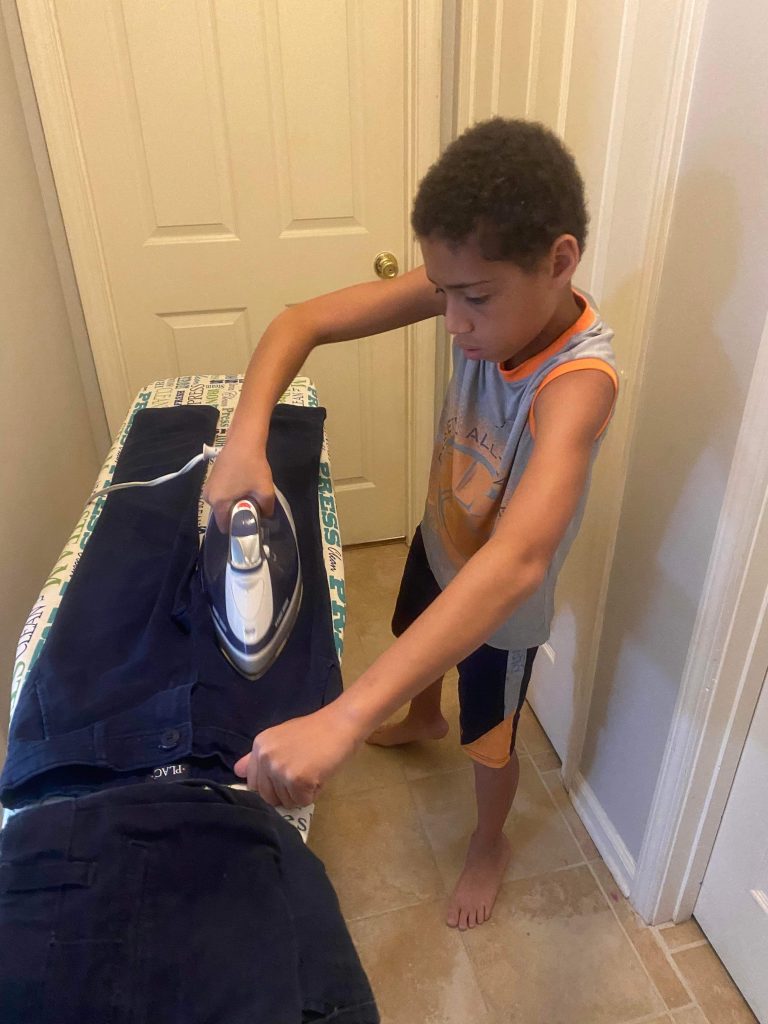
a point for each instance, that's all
(533, 572)
(523, 576)
(295, 318)
(300, 323)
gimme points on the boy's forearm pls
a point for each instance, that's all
(280, 354)
(359, 311)
(485, 593)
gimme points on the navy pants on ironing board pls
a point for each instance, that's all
(131, 677)
(189, 903)
(125, 901)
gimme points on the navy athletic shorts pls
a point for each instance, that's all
(188, 903)
(492, 682)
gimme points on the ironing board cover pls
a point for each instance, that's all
(223, 393)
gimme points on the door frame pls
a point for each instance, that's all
(721, 684)
(424, 42)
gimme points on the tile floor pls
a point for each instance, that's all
(563, 945)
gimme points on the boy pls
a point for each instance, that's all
(501, 220)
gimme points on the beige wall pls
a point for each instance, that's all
(702, 346)
(50, 457)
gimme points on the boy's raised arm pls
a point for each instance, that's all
(355, 312)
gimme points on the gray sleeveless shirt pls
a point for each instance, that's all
(483, 444)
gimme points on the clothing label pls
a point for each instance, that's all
(299, 817)
(168, 773)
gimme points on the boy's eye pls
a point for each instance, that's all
(477, 300)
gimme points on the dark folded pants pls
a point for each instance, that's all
(131, 680)
(182, 904)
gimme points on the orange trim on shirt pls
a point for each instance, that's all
(577, 364)
(584, 322)
(492, 748)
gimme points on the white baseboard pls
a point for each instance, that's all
(614, 852)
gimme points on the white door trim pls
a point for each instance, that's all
(40, 155)
(57, 113)
(721, 682)
(423, 71)
(424, 19)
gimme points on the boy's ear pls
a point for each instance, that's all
(564, 257)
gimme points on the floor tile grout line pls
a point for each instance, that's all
(688, 945)
(670, 958)
(669, 926)
(566, 867)
(438, 898)
(536, 874)
(686, 989)
(659, 941)
(368, 789)
(445, 894)
(394, 910)
(649, 1018)
(572, 867)
(540, 773)
(348, 794)
(447, 771)
(425, 834)
(667, 953)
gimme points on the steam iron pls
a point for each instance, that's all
(252, 579)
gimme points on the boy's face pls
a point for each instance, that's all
(494, 309)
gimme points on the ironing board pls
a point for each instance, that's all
(222, 392)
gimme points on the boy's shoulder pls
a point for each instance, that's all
(505, 400)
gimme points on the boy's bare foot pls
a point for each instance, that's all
(472, 900)
(408, 731)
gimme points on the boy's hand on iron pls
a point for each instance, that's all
(238, 473)
(289, 763)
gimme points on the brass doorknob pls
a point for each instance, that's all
(385, 265)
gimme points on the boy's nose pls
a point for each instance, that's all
(456, 322)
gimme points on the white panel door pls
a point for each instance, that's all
(243, 155)
(732, 907)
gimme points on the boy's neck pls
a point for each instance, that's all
(566, 314)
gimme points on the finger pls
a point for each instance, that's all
(252, 773)
(221, 513)
(281, 792)
(266, 502)
(241, 767)
(266, 791)
(301, 794)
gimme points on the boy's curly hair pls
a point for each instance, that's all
(513, 183)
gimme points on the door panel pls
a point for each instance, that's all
(242, 157)
(732, 907)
